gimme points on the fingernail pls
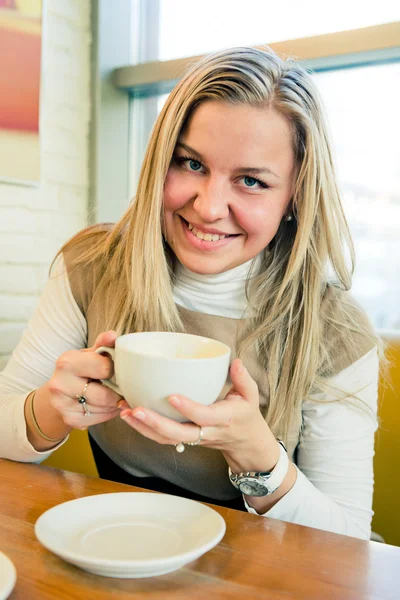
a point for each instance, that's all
(120, 404)
(140, 415)
(175, 400)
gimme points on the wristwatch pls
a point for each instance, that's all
(255, 483)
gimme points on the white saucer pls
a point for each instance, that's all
(8, 576)
(130, 534)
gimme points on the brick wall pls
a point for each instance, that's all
(35, 221)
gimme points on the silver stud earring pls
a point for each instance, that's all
(288, 217)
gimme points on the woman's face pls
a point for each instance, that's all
(228, 186)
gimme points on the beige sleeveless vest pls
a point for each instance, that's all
(201, 470)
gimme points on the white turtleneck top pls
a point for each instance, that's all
(222, 294)
(334, 486)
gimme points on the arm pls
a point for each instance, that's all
(57, 326)
(334, 485)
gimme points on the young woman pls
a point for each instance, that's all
(237, 233)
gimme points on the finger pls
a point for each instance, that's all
(243, 383)
(106, 338)
(146, 430)
(66, 387)
(163, 427)
(66, 405)
(80, 421)
(87, 365)
(219, 413)
(123, 404)
(100, 397)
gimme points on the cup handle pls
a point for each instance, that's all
(107, 382)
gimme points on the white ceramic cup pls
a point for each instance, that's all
(151, 366)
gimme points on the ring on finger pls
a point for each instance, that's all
(82, 400)
(180, 447)
(197, 442)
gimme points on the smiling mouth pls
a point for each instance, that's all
(207, 237)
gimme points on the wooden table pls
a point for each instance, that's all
(258, 557)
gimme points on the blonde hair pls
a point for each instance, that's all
(292, 330)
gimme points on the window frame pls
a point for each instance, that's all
(356, 47)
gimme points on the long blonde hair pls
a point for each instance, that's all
(290, 326)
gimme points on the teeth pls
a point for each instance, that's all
(208, 237)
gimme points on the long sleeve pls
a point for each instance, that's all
(335, 482)
(56, 326)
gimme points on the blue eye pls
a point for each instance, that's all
(195, 165)
(250, 181)
(188, 164)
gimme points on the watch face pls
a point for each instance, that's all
(251, 487)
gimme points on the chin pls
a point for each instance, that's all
(206, 266)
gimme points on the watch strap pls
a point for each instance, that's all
(271, 480)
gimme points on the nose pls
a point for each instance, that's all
(211, 202)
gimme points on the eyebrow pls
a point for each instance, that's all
(238, 170)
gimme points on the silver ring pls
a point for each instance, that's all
(197, 442)
(82, 400)
(181, 446)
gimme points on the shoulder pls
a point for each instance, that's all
(340, 308)
(347, 333)
(347, 406)
(85, 257)
(84, 241)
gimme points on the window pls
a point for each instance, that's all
(168, 29)
(187, 29)
(362, 108)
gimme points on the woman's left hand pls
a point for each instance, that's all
(233, 425)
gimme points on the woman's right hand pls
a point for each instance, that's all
(56, 406)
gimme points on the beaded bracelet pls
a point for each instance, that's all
(36, 424)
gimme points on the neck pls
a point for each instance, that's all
(222, 294)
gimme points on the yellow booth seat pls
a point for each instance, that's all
(386, 505)
(76, 454)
